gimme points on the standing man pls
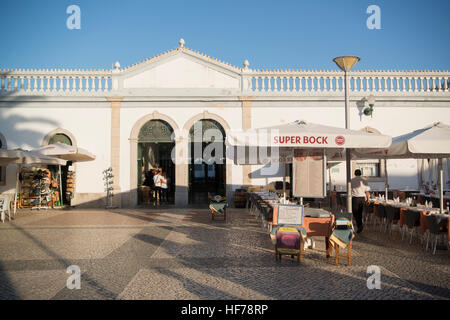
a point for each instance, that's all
(360, 194)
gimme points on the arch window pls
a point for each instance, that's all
(60, 137)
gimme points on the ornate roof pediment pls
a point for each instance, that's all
(180, 68)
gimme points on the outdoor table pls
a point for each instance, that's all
(434, 198)
(422, 211)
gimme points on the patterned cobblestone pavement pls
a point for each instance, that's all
(182, 254)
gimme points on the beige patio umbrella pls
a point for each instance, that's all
(305, 135)
(430, 142)
(65, 152)
(20, 157)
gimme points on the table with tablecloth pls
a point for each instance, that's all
(422, 211)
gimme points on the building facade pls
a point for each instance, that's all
(135, 117)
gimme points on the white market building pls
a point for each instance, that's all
(126, 116)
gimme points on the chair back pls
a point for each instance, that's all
(390, 212)
(5, 203)
(412, 218)
(367, 207)
(380, 211)
(433, 224)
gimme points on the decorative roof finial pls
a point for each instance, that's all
(246, 64)
(181, 42)
(117, 65)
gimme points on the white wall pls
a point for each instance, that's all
(26, 124)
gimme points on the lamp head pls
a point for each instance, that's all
(346, 63)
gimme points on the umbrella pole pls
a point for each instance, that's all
(284, 180)
(17, 187)
(386, 182)
(441, 186)
(60, 188)
(349, 181)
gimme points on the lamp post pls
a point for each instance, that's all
(346, 63)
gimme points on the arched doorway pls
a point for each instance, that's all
(67, 179)
(207, 163)
(154, 154)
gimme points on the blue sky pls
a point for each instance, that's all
(281, 34)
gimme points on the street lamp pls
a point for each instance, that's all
(346, 63)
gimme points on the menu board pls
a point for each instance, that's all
(289, 214)
(309, 174)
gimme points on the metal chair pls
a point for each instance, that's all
(436, 229)
(392, 214)
(367, 213)
(380, 213)
(412, 221)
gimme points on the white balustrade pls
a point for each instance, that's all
(318, 82)
(60, 82)
(253, 82)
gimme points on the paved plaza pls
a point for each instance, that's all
(182, 254)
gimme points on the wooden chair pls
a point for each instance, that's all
(345, 224)
(289, 242)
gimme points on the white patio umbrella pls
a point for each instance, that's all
(20, 157)
(65, 152)
(301, 135)
(431, 142)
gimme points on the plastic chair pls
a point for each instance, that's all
(5, 205)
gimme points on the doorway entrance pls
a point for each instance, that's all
(207, 165)
(67, 176)
(154, 156)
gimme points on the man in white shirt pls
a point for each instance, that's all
(360, 194)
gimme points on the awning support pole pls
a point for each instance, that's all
(60, 187)
(284, 180)
(386, 182)
(17, 188)
(441, 186)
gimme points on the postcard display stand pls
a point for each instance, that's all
(108, 181)
(36, 191)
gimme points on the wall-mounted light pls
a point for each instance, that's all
(371, 102)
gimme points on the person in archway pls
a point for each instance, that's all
(157, 179)
(360, 194)
(149, 183)
(164, 188)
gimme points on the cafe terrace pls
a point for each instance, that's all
(133, 117)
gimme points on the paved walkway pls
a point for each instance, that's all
(181, 254)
